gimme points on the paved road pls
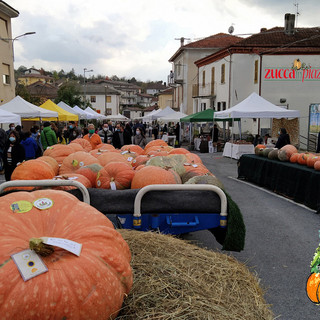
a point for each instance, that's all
(281, 238)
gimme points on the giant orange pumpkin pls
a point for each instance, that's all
(179, 151)
(85, 144)
(193, 158)
(139, 160)
(75, 177)
(118, 173)
(90, 172)
(108, 157)
(90, 286)
(153, 175)
(53, 163)
(286, 152)
(156, 142)
(33, 170)
(76, 147)
(132, 148)
(58, 152)
(157, 149)
(75, 161)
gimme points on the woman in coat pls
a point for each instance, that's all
(140, 139)
(13, 154)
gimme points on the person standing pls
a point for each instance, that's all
(118, 138)
(155, 131)
(30, 146)
(48, 136)
(11, 128)
(318, 144)
(3, 141)
(73, 132)
(139, 139)
(127, 134)
(35, 135)
(13, 154)
(283, 139)
(105, 133)
(92, 137)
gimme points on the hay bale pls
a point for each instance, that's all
(174, 279)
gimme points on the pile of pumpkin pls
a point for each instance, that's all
(108, 168)
(289, 153)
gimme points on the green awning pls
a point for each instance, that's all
(204, 116)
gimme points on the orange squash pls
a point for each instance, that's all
(132, 148)
(156, 142)
(58, 152)
(117, 173)
(52, 162)
(85, 144)
(108, 157)
(75, 161)
(312, 159)
(294, 157)
(90, 286)
(317, 165)
(260, 146)
(90, 172)
(33, 170)
(286, 152)
(312, 287)
(179, 151)
(152, 175)
(302, 159)
(73, 176)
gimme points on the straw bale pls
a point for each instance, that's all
(291, 125)
(174, 279)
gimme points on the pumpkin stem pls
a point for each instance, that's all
(40, 248)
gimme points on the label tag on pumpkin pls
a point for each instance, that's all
(195, 165)
(69, 245)
(43, 203)
(129, 158)
(124, 152)
(113, 185)
(29, 264)
(21, 206)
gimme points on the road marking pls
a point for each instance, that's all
(272, 193)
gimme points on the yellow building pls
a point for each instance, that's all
(32, 76)
(7, 83)
(165, 98)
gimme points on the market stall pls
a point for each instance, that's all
(236, 150)
(9, 117)
(295, 181)
(97, 115)
(66, 107)
(63, 115)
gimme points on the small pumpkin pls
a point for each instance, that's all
(294, 157)
(302, 159)
(75, 161)
(115, 175)
(152, 175)
(273, 154)
(286, 152)
(312, 159)
(265, 152)
(90, 286)
(312, 287)
(317, 165)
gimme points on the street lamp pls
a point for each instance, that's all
(84, 82)
(17, 37)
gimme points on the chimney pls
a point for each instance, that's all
(263, 29)
(289, 23)
(182, 41)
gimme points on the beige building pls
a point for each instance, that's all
(32, 76)
(165, 98)
(7, 83)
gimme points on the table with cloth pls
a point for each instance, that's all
(235, 151)
(297, 182)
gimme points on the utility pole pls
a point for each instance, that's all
(84, 84)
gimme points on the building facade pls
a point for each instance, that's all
(183, 75)
(281, 66)
(7, 83)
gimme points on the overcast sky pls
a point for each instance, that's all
(135, 38)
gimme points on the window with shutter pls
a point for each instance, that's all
(5, 73)
(212, 80)
(223, 69)
(203, 79)
(256, 71)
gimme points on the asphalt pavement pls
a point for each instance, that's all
(281, 238)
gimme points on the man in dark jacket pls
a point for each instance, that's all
(48, 136)
(120, 136)
(283, 139)
(73, 132)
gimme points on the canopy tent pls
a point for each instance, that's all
(84, 114)
(26, 109)
(118, 117)
(9, 117)
(162, 113)
(148, 117)
(96, 115)
(203, 116)
(174, 117)
(255, 106)
(63, 115)
(66, 107)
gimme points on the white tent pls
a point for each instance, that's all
(9, 117)
(26, 109)
(256, 107)
(174, 117)
(84, 114)
(66, 107)
(97, 115)
(162, 113)
(118, 117)
(148, 118)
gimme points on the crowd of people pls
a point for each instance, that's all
(17, 145)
